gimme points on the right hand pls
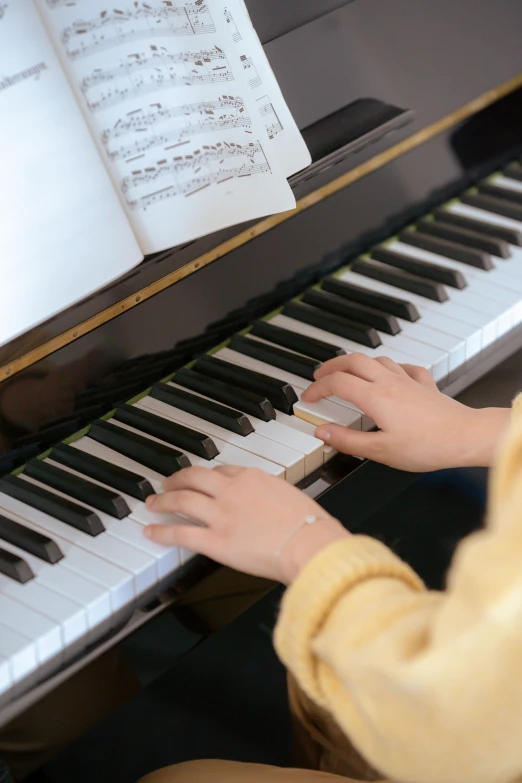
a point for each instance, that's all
(420, 429)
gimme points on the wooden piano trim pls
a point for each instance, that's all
(312, 199)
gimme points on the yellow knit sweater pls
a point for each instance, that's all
(427, 686)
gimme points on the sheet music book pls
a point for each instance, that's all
(125, 130)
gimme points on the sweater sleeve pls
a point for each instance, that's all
(426, 685)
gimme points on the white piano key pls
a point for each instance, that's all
(5, 676)
(482, 322)
(90, 446)
(349, 346)
(19, 651)
(114, 578)
(292, 461)
(300, 425)
(228, 454)
(506, 182)
(158, 561)
(455, 347)
(138, 510)
(44, 634)
(114, 550)
(305, 443)
(483, 215)
(497, 284)
(325, 411)
(70, 617)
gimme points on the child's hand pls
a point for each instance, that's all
(420, 428)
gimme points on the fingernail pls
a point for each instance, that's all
(148, 533)
(323, 435)
(150, 501)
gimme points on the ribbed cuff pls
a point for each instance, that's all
(309, 600)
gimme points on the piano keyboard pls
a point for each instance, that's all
(73, 559)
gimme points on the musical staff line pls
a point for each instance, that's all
(254, 79)
(236, 35)
(183, 121)
(189, 174)
(142, 22)
(270, 117)
(141, 74)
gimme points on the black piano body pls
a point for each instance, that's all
(405, 106)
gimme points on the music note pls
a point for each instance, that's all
(172, 127)
(272, 122)
(236, 35)
(156, 69)
(190, 174)
(142, 21)
(254, 80)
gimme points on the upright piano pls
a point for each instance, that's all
(406, 241)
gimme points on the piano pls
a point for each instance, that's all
(406, 242)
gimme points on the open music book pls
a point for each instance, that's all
(127, 128)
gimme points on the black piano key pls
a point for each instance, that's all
(153, 455)
(308, 346)
(60, 508)
(465, 236)
(400, 279)
(222, 416)
(491, 189)
(511, 235)
(466, 255)
(388, 304)
(104, 471)
(427, 269)
(299, 365)
(352, 310)
(30, 541)
(250, 403)
(513, 171)
(498, 206)
(170, 431)
(334, 324)
(14, 567)
(103, 499)
(281, 395)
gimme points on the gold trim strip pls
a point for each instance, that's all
(383, 158)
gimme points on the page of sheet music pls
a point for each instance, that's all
(63, 232)
(280, 127)
(168, 102)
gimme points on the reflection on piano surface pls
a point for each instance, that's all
(420, 261)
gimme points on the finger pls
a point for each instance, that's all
(419, 374)
(390, 365)
(194, 505)
(192, 537)
(353, 442)
(354, 363)
(348, 387)
(209, 482)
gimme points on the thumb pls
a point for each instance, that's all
(353, 442)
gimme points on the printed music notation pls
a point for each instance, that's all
(142, 22)
(270, 117)
(236, 35)
(158, 69)
(182, 123)
(254, 79)
(190, 174)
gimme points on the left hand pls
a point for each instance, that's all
(245, 516)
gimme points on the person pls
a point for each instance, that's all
(388, 681)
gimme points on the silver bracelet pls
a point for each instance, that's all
(309, 520)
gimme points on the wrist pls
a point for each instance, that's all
(306, 544)
(485, 429)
